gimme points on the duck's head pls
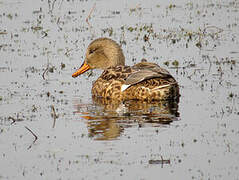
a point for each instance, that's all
(102, 53)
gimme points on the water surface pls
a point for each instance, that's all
(41, 45)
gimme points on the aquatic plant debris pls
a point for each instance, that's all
(35, 137)
(42, 43)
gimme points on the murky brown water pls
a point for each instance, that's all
(77, 137)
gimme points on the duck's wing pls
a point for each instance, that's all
(144, 71)
(142, 75)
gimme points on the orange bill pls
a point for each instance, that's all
(84, 67)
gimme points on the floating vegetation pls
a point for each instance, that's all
(36, 28)
(166, 63)
(10, 16)
(171, 6)
(175, 63)
(63, 65)
(3, 32)
(108, 30)
(203, 38)
(45, 110)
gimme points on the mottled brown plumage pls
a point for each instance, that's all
(143, 81)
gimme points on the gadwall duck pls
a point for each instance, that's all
(143, 81)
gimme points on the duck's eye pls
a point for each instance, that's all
(91, 51)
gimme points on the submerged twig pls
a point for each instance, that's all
(43, 75)
(51, 6)
(46, 70)
(58, 23)
(14, 119)
(33, 135)
(54, 116)
(88, 17)
(60, 4)
(162, 161)
(219, 30)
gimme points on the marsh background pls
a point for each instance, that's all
(43, 42)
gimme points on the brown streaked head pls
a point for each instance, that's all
(102, 53)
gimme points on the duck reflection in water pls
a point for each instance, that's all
(106, 119)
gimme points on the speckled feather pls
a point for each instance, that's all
(156, 84)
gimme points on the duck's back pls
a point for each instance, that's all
(143, 81)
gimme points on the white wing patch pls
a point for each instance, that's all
(124, 87)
